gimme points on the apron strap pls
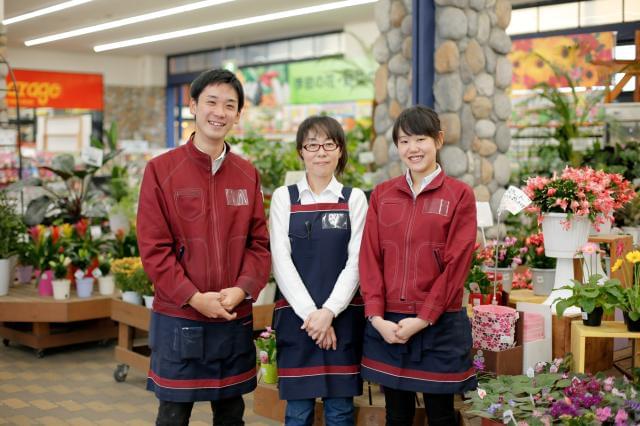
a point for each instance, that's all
(294, 195)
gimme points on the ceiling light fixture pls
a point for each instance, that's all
(125, 21)
(44, 11)
(230, 24)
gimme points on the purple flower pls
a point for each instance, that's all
(553, 369)
(493, 407)
(608, 384)
(562, 408)
(603, 414)
(478, 364)
(633, 405)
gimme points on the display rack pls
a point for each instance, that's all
(6, 124)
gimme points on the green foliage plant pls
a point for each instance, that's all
(11, 226)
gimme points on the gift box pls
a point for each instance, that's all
(508, 361)
(493, 327)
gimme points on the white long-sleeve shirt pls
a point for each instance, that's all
(286, 275)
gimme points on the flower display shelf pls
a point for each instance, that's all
(42, 322)
(133, 326)
(607, 330)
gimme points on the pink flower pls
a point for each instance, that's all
(603, 414)
(590, 248)
(551, 191)
(264, 357)
(621, 417)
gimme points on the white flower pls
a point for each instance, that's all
(482, 393)
(530, 373)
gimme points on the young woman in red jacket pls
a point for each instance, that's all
(415, 255)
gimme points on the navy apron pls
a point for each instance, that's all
(319, 235)
(437, 359)
(201, 361)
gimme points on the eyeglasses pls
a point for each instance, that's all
(315, 147)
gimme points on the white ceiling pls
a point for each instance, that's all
(99, 11)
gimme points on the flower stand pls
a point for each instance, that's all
(562, 244)
(609, 330)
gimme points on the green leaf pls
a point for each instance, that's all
(37, 210)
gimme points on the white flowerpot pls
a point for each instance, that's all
(605, 228)
(5, 276)
(119, 222)
(561, 242)
(148, 301)
(61, 289)
(131, 297)
(507, 276)
(84, 287)
(106, 285)
(542, 280)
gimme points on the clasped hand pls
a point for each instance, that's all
(399, 332)
(213, 304)
(318, 327)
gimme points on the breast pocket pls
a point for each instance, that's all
(392, 212)
(189, 203)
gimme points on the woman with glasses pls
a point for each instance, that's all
(316, 228)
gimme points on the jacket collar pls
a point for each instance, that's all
(334, 187)
(200, 158)
(402, 185)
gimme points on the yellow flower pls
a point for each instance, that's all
(66, 230)
(617, 265)
(633, 256)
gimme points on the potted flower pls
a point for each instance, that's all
(628, 219)
(266, 344)
(27, 260)
(503, 257)
(11, 227)
(550, 394)
(543, 268)
(123, 272)
(106, 285)
(144, 285)
(479, 284)
(621, 192)
(592, 296)
(629, 301)
(61, 284)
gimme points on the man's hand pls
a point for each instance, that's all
(231, 297)
(330, 340)
(387, 329)
(208, 304)
(409, 326)
(317, 324)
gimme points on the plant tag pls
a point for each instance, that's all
(514, 200)
(506, 339)
(585, 316)
(92, 156)
(507, 417)
(484, 215)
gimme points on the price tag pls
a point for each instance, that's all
(92, 156)
(585, 316)
(506, 339)
(514, 200)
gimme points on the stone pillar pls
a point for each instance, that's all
(472, 74)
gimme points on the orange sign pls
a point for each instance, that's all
(39, 89)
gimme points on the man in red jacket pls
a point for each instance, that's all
(204, 243)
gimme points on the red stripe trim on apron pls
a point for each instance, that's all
(417, 374)
(202, 383)
(318, 371)
(319, 207)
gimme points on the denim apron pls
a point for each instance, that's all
(202, 361)
(319, 235)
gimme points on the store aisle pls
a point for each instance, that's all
(75, 386)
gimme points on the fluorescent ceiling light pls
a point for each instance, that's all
(125, 21)
(231, 24)
(45, 11)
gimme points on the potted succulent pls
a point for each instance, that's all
(629, 301)
(543, 268)
(61, 284)
(11, 227)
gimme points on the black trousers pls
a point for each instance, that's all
(401, 408)
(226, 412)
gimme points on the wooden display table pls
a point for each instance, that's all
(42, 322)
(133, 321)
(608, 330)
(598, 352)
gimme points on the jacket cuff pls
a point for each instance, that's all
(374, 309)
(250, 286)
(429, 313)
(184, 292)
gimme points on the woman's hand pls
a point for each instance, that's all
(330, 340)
(387, 329)
(318, 323)
(409, 326)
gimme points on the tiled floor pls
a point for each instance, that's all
(75, 386)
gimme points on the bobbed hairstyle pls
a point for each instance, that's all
(417, 120)
(331, 128)
(217, 76)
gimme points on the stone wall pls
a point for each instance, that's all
(472, 76)
(139, 112)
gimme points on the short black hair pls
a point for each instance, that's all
(217, 76)
(330, 127)
(417, 120)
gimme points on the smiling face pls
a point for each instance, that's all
(418, 152)
(215, 111)
(322, 163)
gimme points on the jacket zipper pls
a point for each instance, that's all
(212, 189)
(403, 291)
